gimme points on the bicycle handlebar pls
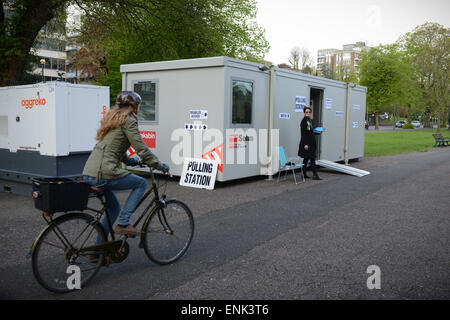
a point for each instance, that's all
(143, 165)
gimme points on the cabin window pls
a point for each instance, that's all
(147, 91)
(242, 102)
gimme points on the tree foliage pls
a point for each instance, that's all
(428, 47)
(170, 30)
(20, 22)
(389, 78)
(300, 59)
(127, 31)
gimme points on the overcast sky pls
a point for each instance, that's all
(332, 23)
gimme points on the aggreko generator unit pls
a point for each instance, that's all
(47, 130)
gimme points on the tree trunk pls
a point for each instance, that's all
(377, 121)
(15, 70)
(426, 120)
(448, 118)
(29, 21)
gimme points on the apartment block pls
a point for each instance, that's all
(338, 60)
(51, 48)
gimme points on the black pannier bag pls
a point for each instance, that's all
(60, 194)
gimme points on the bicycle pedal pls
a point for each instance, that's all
(125, 237)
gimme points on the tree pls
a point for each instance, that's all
(448, 118)
(170, 30)
(306, 60)
(428, 46)
(326, 71)
(386, 73)
(347, 73)
(20, 23)
(294, 58)
(18, 32)
(300, 59)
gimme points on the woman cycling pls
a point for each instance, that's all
(118, 130)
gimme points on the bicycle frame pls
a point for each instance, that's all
(81, 238)
(113, 244)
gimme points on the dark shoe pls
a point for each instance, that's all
(316, 177)
(306, 176)
(128, 230)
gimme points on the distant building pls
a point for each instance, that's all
(52, 48)
(326, 57)
(335, 60)
(285, 66)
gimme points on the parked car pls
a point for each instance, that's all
(415, 123)
(400, 123)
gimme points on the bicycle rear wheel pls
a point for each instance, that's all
(168, 232)
(58, 247)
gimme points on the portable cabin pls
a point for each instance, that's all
(238, 112)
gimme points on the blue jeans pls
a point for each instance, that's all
(131, 181)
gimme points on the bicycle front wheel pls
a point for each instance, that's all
(57, 257)
(168, 232)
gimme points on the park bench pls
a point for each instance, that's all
(440, 141)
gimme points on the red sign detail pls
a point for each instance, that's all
(149, 137)
(215, 154)
(234, 138)
(131, 151)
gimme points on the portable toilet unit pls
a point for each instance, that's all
(238, 112)
(47, 130)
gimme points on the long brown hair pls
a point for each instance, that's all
(115, 117)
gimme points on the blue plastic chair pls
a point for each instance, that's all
(286, 166)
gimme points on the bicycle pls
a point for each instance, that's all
(79, 239)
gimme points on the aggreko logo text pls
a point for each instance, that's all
(29, 103)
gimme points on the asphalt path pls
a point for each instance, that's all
(258, 239)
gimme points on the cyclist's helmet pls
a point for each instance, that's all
(128, 98)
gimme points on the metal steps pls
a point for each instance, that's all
(342, 168)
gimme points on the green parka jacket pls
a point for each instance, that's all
(103, 162)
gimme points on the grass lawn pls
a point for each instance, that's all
(399, 141)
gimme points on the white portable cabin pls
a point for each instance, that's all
(47, 129)
(224, 109)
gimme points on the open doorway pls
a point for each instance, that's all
(315, 102)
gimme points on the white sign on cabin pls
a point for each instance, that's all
(198, 114)
(199, 173)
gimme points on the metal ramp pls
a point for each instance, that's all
(342, 168)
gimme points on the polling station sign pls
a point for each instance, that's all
(199, 173)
